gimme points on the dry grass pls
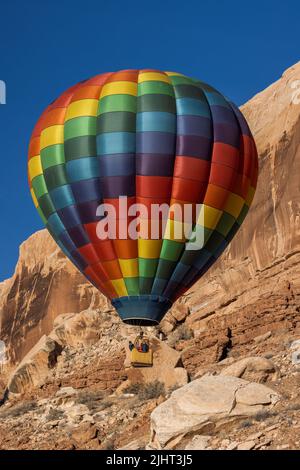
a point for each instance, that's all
(147, 391)
(182, 333)
(264, 415)
(294, 407)
(245, 424)
(54, 414)
(18, 410)
(95, 400)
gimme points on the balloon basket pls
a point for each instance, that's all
(141, 359)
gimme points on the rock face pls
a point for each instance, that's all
(206, 403)
(34, 368)
(258, 369)
(255, 287)
(100, 356)
(81, 329)
(33, 297)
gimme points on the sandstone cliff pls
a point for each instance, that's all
(44, 285)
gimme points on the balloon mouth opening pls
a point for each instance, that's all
(142, 310)
(140, 322)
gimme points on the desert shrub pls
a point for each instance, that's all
(106, 403)
(54, 414)
(88, 396)
(182, 333)
(263, 415)
(147, 391)
(19, 410)
(294, 407)
(245, 424)
(93, 399)
(109, 444)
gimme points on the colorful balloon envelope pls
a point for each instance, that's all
(145, 138)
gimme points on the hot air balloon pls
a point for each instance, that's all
(155, 138)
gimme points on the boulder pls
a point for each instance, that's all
(177, 314)
(295, 347)
(232, 446)
(198, 443)
(66, 392)
(296, 357)
(137, 444)
(257, 369)
(167, 325)
(208, 401)
(262, 338)
(179, 311)
(295, 344)
(76, 413)
(77, 329)
(65, 397)
(248, 445)
(84, 433)
(34, 368)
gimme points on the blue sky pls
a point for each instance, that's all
(45, 47)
